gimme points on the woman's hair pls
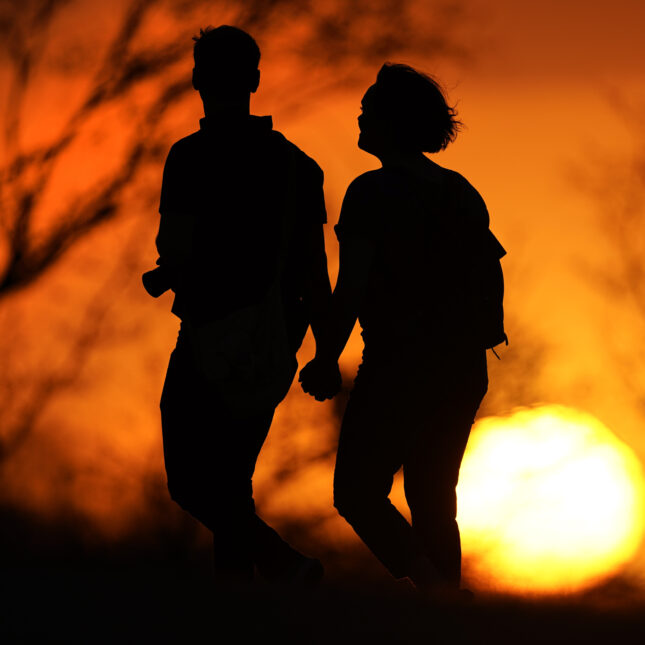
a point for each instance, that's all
(416, 108)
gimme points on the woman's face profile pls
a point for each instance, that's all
(372, 137)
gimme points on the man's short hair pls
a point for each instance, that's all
(415, 105)
(234, 45)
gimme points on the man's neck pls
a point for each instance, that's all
(227, 110)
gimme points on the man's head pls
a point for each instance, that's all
(226, 64)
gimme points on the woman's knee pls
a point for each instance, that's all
(434, 495)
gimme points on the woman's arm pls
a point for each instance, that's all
(357, 237)
(356, 255)
(321, 377)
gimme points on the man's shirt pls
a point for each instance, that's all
(228, 190)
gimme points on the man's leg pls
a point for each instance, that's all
(274, 558)
(198, 460)
(210, 459)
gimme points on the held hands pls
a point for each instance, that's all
(321, 379)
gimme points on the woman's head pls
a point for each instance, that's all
(407, 111)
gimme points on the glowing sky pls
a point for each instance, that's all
(540, 95)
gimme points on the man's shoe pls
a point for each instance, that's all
(442, 595)
(465, 597)
(302, 572)
(308, 573)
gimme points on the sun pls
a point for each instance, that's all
(550, 501)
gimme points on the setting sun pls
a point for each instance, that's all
(550, 501)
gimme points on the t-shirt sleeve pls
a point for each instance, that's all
(493, 245)
(490, 243)
(478, 224)
(309, 193)
(174, 238)
(359, 213)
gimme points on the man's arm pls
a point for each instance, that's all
(175, 237)
(171, 237)
(317, 285)
(171, 262)
(174, 242)
(311, 204)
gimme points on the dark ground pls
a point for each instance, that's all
(156, 588)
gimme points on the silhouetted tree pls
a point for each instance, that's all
(139, 70)
(343, 39)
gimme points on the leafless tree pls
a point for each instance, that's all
(144, 71)
(336, 41)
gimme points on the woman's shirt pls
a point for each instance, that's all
(427, 232)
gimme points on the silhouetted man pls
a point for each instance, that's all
(242, 214)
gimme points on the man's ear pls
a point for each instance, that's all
(196, 79)
(255, 81)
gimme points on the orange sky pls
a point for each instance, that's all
(536, 99)
(537, 105)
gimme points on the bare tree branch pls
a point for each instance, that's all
(329, 47)
(333, 39)
(92, 328)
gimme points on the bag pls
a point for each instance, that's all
(487, 295)
(483, 310)
(246, 356)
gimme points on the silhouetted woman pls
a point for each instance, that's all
(412, 237)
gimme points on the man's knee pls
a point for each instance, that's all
(182, 496)
(206, 502)
(193, 503)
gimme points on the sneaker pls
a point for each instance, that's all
(303, 572)
(442, 595)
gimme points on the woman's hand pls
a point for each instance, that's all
(321, 379)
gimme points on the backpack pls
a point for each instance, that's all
(483, 278)
(246, 356)
(487, 294)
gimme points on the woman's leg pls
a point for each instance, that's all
(431, 472)
(370, 451)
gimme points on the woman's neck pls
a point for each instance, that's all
(402, 159)
(416, 165)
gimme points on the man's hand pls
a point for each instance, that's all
(321, 379)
